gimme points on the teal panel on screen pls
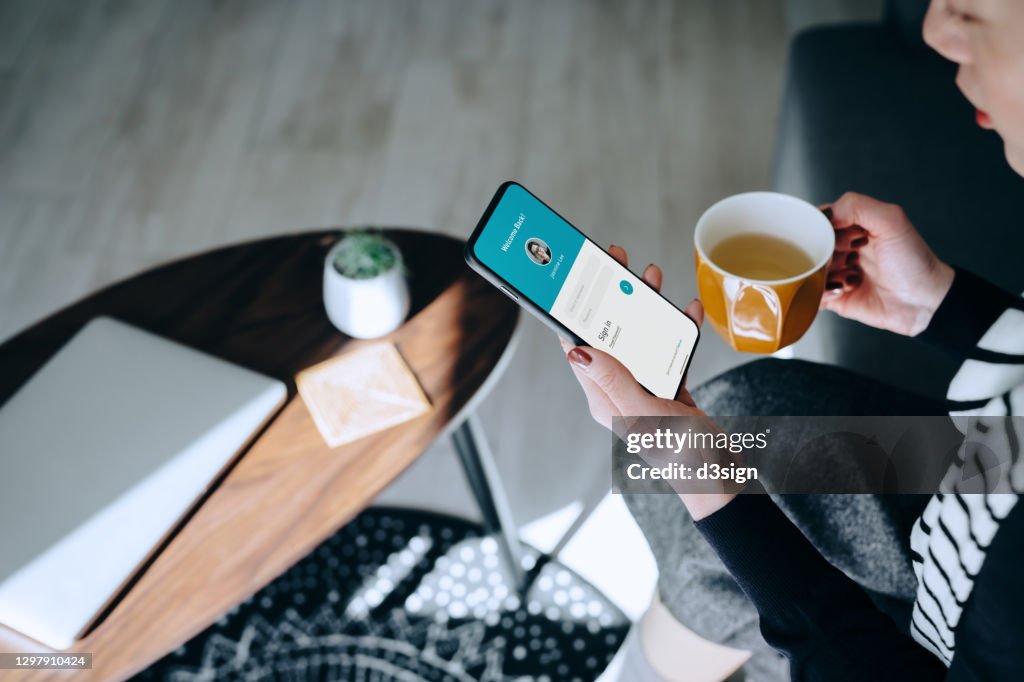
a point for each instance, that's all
(519, 218)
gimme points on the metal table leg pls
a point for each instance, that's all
(485, 483)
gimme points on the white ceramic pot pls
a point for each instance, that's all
(365, 308)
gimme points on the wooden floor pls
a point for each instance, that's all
(136, 131)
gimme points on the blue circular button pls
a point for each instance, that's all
(626, 287)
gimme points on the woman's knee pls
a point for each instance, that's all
(767, 386)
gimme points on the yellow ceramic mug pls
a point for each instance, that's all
(762, 316)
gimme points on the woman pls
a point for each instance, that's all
(966, 550)
(538, 251)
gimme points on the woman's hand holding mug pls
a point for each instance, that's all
(883, 274)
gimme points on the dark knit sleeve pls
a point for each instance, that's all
(988, 639)
(820, 619)
(969, 310)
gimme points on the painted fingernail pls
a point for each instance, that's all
(579, 357)
(832, 285)
(859, 242)
(827, 212)
(852, 257)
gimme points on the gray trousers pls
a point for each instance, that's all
(866, 536)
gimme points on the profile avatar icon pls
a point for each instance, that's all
(538, 251)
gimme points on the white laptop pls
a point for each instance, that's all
(102, 452)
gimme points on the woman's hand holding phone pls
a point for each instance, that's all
(612, 391)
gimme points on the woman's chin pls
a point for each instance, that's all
(1015, 157)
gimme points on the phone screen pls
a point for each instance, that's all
(562, 272)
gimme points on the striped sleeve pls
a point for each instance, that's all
(983, 325)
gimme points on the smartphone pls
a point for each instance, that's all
(575, 287)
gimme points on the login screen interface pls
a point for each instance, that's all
(585, 289)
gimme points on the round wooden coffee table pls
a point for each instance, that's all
(259, 305)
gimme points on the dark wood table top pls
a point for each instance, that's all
(259, 304)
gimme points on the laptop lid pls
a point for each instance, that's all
(101, 453)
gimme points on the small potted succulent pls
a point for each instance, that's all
(365, 293)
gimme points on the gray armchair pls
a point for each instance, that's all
(870, 108)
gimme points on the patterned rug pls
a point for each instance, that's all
(404, 595)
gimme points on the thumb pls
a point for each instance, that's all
(610, 377)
